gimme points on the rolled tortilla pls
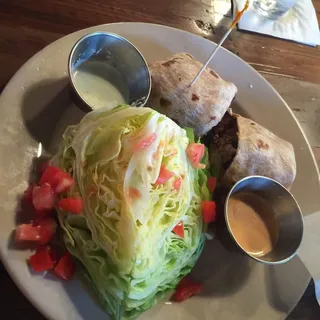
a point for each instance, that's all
(201, 106)
(246, 148)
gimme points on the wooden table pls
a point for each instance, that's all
(27, 26)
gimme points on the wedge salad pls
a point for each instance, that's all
(131, 192)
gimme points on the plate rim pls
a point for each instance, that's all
(32, 299)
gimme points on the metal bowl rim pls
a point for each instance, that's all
(235, 240)
(106, 34)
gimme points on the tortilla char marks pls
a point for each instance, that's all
(195, 97)
(262, 145)
(165, 103)
(170, 62)
(214, 74)
(188, 55)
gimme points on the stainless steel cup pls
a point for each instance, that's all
(287, 212)
(118, 53)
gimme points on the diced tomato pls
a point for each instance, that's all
(145, 143)
(26, 232)
(40, 214)
(72, 205)
(27, 195)
(43, 197)
(177, 183)
(187, 291)
(66, 267)
(41, 260)
(208, 211)
(185, 281)
(54, 256)
(212, 182)
(195, 153)
(44, 165)
(63, 182)
(179, 229)
(164, 175)
(47, 229)
(134, 193)
(59, 180)
(49, 174)
(40, 233)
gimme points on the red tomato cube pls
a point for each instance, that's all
(43, 197)
(41, 260)
(66, 267)
(72, 205)
(40, 233)
(208, 211)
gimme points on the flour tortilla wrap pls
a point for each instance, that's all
(246, 148)
(201, 106)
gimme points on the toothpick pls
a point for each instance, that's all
(235, 21)
(211, 56)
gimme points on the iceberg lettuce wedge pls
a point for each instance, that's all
(124, 237)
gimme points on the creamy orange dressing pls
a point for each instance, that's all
(253, 223)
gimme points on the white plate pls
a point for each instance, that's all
(30, 112)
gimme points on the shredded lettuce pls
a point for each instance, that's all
(124, 238)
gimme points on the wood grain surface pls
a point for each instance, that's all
(27, 26)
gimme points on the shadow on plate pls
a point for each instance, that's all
(86, 305)
(277, 284)
(236, 107)
(222, 272)
(223, 268)
(44, 106)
